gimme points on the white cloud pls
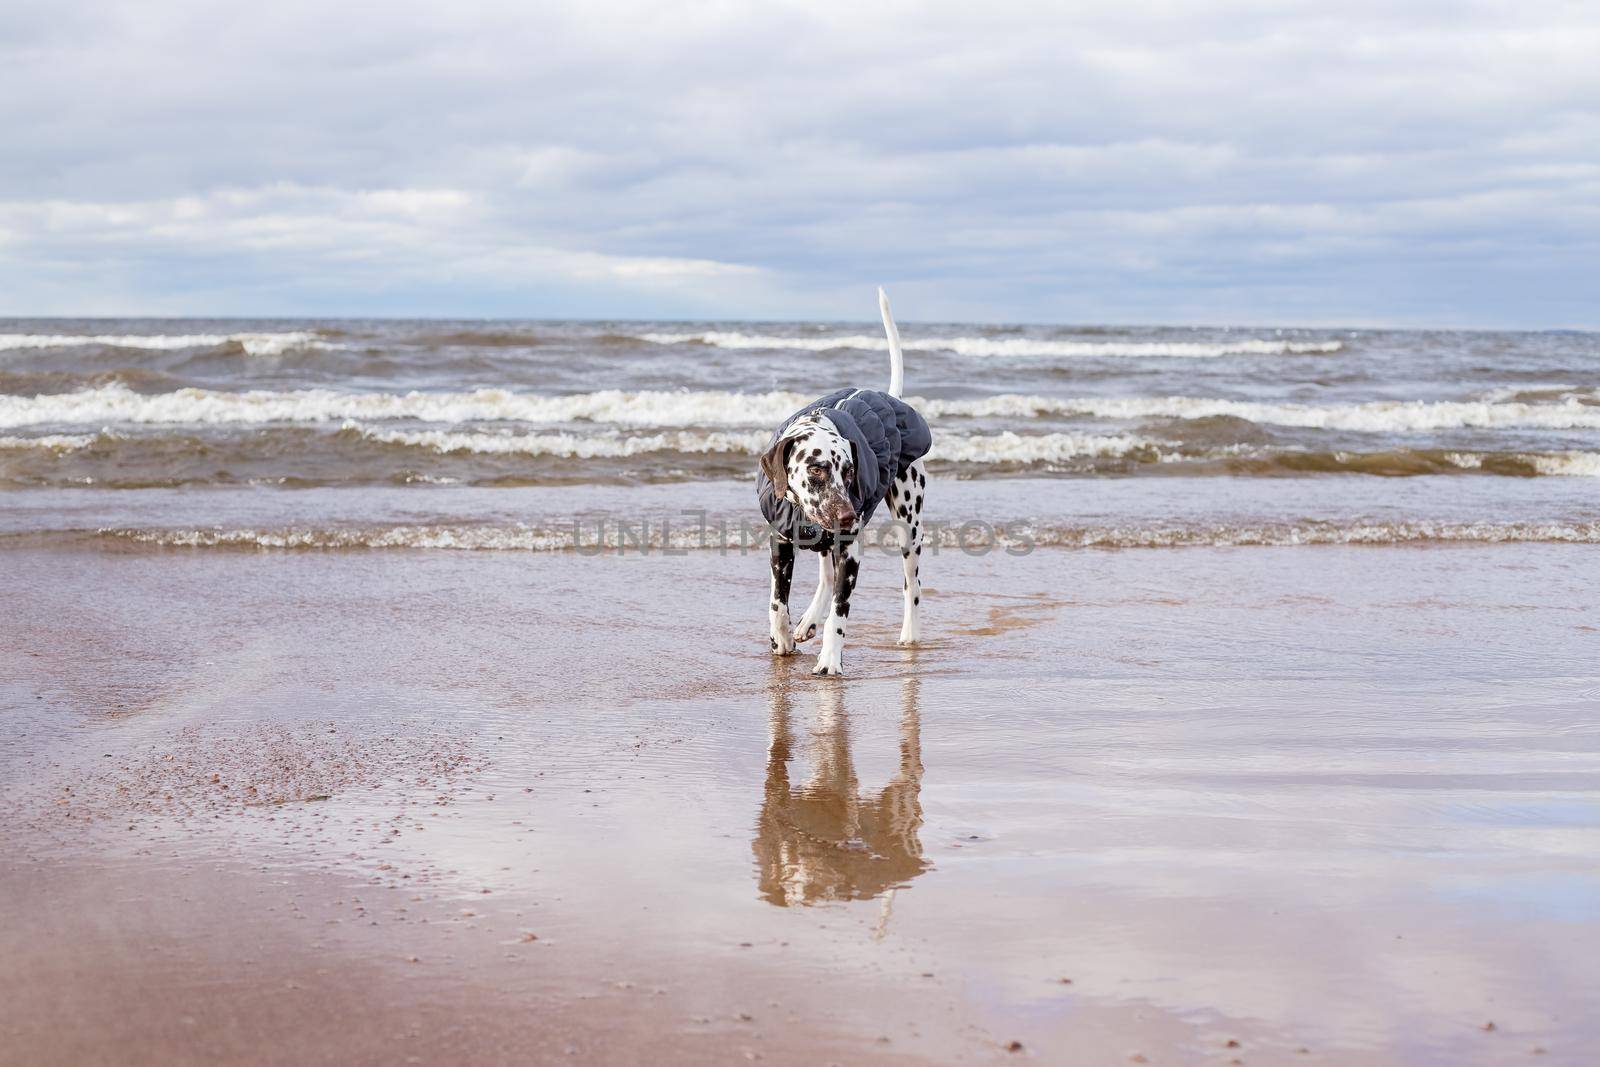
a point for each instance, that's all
(1235, 161)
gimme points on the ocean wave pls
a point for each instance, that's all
(1544, 394)
(255, 344)
(1011, 447)
(998, 448)
(1375, 416)
(58, 442)
(1005, 346)
(1569, 464)
(311, 451)
(611, 444)
(592, 536)
(1286, 534)
(1395, 463)
(483, 339)
(115, 403)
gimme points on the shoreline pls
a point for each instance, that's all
(1011, 516)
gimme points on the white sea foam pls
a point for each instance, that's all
(581, 446)
(1011, 447)
(1005, 346)
(489, 538)
(256, 344)
(1569, 464)
(951, 448)
(734, 536)
(1542, 392)
(117, 404)
(114, 404)
(1377, 416)
(1557, 464)
(59, 442)
(1307, 533)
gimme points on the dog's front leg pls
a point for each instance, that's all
(817, 613)
(782, 575)
(847, 564)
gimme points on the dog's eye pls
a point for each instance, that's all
(849, 470)
(817, 473)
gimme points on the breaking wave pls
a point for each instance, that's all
(1558, 464)
(59, 442)
(1377, 416)
(1011, 447)
(715, 408)
(116, 404)
(255, 344)
(354, 453)
(1398, 462)
(950, 448)
(581, 446)
(1006, 448)
(1005, 346)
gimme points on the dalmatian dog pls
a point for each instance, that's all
(824, 473)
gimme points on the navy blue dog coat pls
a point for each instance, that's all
(888, 436)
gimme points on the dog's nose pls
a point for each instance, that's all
(847, 517)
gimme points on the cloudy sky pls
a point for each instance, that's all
(1431, 163)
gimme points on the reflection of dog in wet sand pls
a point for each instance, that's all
(822, 840)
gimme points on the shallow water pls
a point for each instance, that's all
(1338, 798)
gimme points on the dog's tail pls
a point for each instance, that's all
(897, 362)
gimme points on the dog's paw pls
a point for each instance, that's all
(778, 635)
(828, 666)
(910, 635)
(805, 631)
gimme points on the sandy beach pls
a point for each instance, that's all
(1323, 804)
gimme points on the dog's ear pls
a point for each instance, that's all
(775, 465)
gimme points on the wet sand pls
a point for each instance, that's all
(1277, 805)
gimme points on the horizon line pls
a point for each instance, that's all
(1367, 328)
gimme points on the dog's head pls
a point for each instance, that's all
(814, 466)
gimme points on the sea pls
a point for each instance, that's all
(558, 436)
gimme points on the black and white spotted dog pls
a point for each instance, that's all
(824, 473)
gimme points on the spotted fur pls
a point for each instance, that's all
(812, 466)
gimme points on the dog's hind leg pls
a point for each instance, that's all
(817, 613)
(848, 561)
(782, 575)
(905, 504)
